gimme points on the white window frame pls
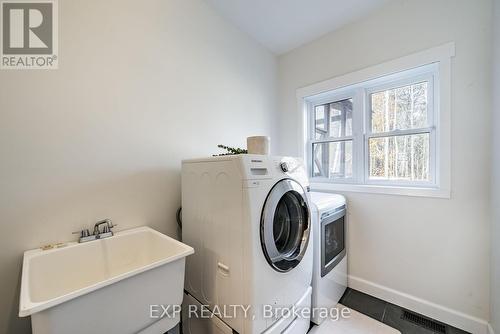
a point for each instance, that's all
(433, 66)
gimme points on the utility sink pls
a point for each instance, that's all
(113, 285)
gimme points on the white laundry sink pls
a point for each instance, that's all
(109, 286)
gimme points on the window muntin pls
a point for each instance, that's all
(386, 135)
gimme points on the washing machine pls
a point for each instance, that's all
(249, 221)
(329, 225)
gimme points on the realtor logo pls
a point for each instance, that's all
(29, 34)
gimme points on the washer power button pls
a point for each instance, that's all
(284, 167)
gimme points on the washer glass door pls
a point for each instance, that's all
(285, 225)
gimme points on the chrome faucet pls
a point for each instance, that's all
(106, 231)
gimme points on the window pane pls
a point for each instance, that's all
(333, 119)
(341, 118)
(333, 160)
(320, 123)
(400, 108)
(402, 158)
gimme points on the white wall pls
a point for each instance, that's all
(141, 85)
(495, 228)
(433, 249)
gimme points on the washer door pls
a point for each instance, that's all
(285, 225)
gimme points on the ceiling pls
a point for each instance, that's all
(282, 25)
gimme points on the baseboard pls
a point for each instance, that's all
(441, 313)
(490, 329)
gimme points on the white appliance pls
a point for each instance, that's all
(248, 219)
(329, 226)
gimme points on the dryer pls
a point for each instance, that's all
(248, 219)
(329, 226)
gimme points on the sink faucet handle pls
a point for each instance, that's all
(107, 228)
(83, 233)
(109, 224)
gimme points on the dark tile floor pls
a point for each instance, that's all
(388, 313)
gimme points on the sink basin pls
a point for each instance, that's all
(105, 286)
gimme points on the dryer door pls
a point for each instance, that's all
(285, 225)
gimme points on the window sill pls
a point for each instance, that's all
(378, 189)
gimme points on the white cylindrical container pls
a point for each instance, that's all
(259, 145)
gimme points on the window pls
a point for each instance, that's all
(383, 129)
(400, 132)
(379, 132)
(332, 147)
